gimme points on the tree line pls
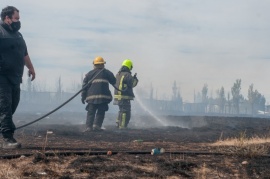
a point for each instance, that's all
(233, 98)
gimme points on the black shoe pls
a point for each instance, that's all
(11, 143)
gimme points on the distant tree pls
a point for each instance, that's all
(211, 103)
(174, 89)
(204, 93)
(59, 89)
(204, 96)
(176, 98)
(179, 101)
(236, 96)
(251, 97)
(256, 100)
(59, 85)
(198, 98)
(221, 99)
(179, 98)
(229, 102)
(262, 103)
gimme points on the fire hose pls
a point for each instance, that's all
(63, 104)
(68, 153)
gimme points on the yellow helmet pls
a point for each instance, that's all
(98, 60)
(128, 63)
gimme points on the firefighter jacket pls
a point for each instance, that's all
(12, 52)
(97, 90)
(126, 82)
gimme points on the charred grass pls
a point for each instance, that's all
(124, 165)
(243, 155)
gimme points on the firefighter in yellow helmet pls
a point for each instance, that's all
(125, 82)
(97, 94)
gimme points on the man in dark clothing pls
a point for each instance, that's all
(125, 82)
(97, 94)
(13, 57)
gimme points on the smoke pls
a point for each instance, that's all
(148, 111)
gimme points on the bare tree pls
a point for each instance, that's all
(251, 98)
(236, 96)
(204, 96)
(256, 100)
(59, 89)
(262, 103)
(221, 99)
(174, 89)
(229, 103)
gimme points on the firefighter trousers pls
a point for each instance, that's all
(96, 114)
(124, 114)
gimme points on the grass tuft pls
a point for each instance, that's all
(244, 146)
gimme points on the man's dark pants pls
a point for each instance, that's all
(9, 100)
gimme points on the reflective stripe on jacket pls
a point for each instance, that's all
(126, 82)
(98, 90)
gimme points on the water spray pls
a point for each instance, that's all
(163, 121)
(148, 110)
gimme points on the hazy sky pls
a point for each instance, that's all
(187, 41)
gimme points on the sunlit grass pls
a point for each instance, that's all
(244, 146)
(233, 141)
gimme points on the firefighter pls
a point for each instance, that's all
(125, 82)
(97, 94)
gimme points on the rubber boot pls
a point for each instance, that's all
(118, 119)
(99, 121)
(128, 116)
(89, 121)
(10, 142)
(122, 120)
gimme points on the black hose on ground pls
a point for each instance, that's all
(45, 115)
(68, 153)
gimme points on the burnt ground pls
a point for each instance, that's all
(64, 151)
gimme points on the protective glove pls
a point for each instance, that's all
(83, 101)
(135, 80)
(135, 77)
